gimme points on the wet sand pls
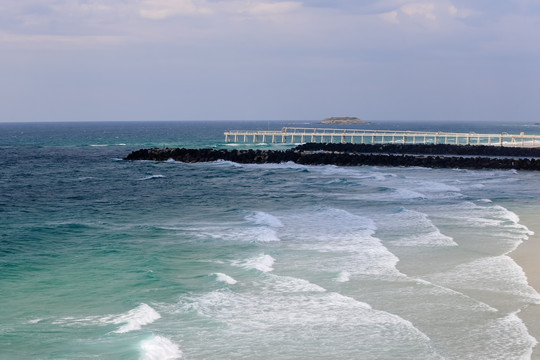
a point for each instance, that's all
(527, 256)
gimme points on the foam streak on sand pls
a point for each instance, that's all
(525, 257)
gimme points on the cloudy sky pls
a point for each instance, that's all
(86, 60)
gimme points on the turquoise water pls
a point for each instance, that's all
(107, 259)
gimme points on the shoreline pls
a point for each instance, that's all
(525, 257)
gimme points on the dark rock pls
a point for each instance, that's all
(433, 156)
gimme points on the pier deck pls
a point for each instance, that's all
(294, 135)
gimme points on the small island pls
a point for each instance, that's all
(343, 120)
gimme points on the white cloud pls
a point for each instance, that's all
(374, 24)
(439, 15)
(263, 8)
(391, 17)
(460, 13)
(426, 10)
(36, 41)
(96, 7)
(162, 9)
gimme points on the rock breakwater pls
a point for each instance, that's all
(432, 156)
(426, 149)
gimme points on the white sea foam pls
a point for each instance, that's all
(495, 276)
(501, 223)
(507, 215)
(447, 293)
(506, 335)
(432, 186)
(283, 165)
(260, 227)
(136, 318)
(160, 348)
(343, 276)
(348, 236)
(477, 186)
(150, 177)
(401, 193)
(35, 321)
(221, 163)
(376, 175)
(225, 278)
(262, 263)
(266, 235)
(289, 284)
(420, 230)
(358, 173)
(262, 218)
(260, 234)
(290, 310)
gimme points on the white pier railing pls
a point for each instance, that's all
(293, 135)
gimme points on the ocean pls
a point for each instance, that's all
(102, 258)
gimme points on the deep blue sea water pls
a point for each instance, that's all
(102, 258)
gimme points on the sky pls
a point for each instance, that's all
(109, 60)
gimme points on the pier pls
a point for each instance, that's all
(295, 135)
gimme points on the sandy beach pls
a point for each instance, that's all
(526, 256)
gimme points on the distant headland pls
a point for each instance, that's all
(343, 120)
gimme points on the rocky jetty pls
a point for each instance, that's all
(432, 156)
(424, 149)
